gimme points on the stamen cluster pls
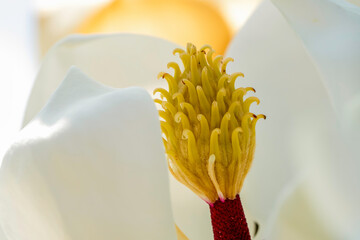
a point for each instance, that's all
(209, 133)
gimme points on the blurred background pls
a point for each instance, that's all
(206, 20)
(28, 28)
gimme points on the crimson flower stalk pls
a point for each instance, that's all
(228, 220)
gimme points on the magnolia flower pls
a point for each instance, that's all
(89, 163)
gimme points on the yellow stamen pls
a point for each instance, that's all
(195, 76)
(180, 117)
(176, 68)
(220, 98)
(233, 78)
(216, 65)
(215, 115)
(204, 103)
(214, 142)
(226, 61)
(209, 133)
(192, 92)
(165, 116)
(193, 154)
(211, 170)
(180, 99)
(163, 94)
(204, 131)
(190, 111)
(206, 83)
(170, 107)
(222, 80)
(249, 101)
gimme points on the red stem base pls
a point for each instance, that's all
(228, 220)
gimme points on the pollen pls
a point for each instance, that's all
(208, 131)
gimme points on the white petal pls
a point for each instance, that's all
(121, 60)
(292, 138)
(90, 165)
(17, 31)
(330, 31)
(117, 60)
(191, 213)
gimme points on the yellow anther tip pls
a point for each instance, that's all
(156, 90)
(177, 117)
(178, 50)
(238, 130)
(158, 101)
(261, 116)
(170, 64)
(160, 75)
(186, 133)
(222, 90)
(212, 158)
(227, 116)
(203, 48)
(176, 95)
(216, 131)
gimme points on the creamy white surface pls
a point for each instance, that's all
(90, 165)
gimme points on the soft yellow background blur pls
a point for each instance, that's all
(211, 22)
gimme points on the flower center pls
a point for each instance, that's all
(209, 133)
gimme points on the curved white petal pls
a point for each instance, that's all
(121, 60)
(330, 31)
(294, 142)
(191, 213)
(90, 165)
(117, 60)
(17, 61)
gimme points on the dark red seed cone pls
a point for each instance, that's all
(228, 220)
